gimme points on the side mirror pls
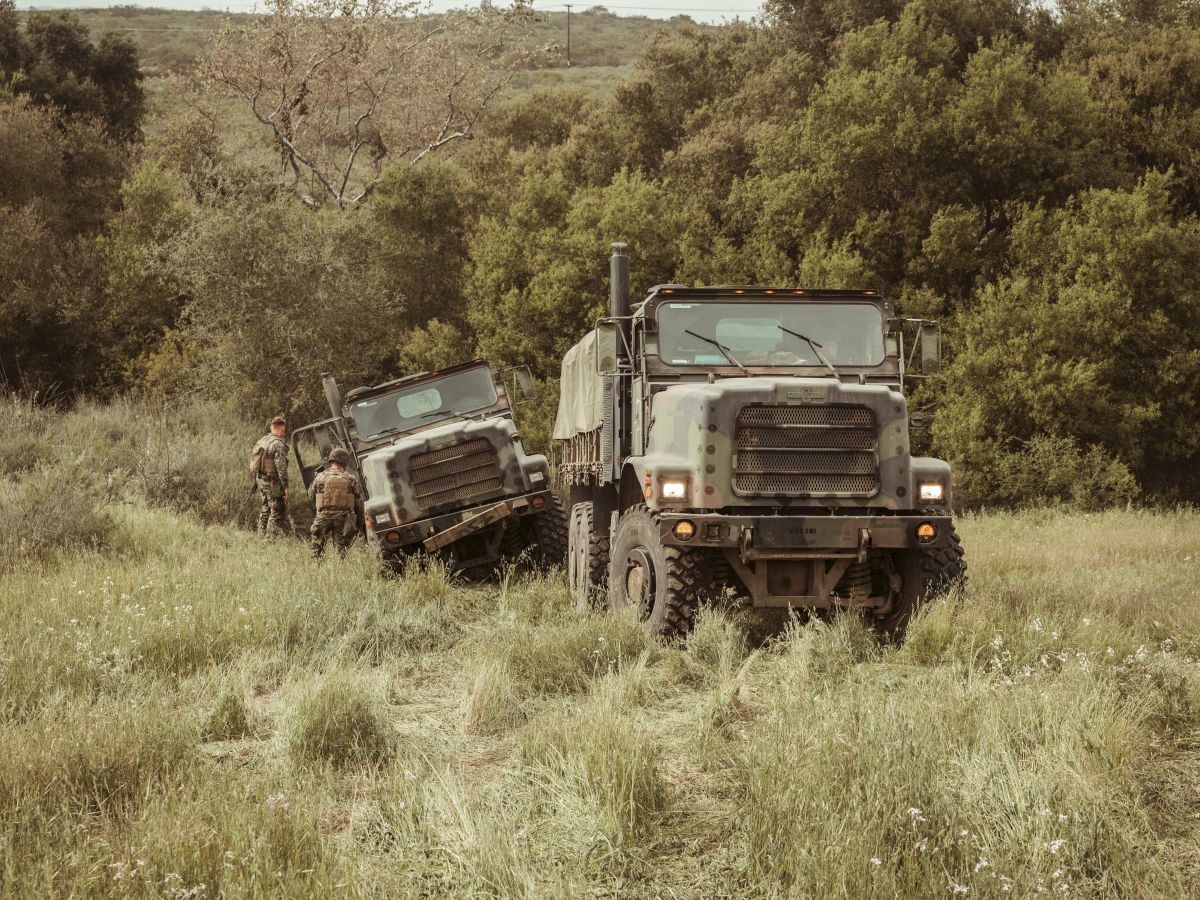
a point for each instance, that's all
(930, 338)
(525, 382)
(608, 337)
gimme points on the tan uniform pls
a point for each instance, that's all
(272, 482)
(337, 496)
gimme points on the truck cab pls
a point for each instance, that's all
(753, 439)
(443, 467)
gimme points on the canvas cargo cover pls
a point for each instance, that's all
(581, 392)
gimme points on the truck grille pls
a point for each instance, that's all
(452, 474)
(797, 451)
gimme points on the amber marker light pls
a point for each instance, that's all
(684, 530)
(926, 532)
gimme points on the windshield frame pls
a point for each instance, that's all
(498, 403)
(887, 363)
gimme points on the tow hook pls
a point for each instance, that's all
(864, 543)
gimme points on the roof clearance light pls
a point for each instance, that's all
(797, 292)
(768, 292)
(739, 292)
(668, 292)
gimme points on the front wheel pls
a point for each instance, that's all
(663, 583)
(926, 572)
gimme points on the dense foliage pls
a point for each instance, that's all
(1029, 176)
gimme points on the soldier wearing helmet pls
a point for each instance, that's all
(269, 466)
(337, 495)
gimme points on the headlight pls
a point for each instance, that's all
(931, 490)
(673, 490)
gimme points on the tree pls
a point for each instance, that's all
(419, 217)
(344, 87)
(1092, 340)
(275, 295)
(56, 64)
(59, 183)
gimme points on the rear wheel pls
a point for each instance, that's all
(587, 556)
(550, 532)
(926, 572)
(663, 583)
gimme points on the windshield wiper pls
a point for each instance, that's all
(724, 350)
(815, 347)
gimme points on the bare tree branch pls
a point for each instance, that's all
(348, 76)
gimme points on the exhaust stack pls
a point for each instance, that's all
(619, 275)
(332, 395)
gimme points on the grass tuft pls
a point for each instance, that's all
(342, 722)
(494, 705)
(229, 719)
(598, 761)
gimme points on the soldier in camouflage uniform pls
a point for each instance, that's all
(337, 495)
(269, 464)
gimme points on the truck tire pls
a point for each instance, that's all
(926, 573)
(587, 556)
(550, 532)
(392, 563)
(665, 583)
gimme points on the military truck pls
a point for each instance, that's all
(752, 440)
(443, 467)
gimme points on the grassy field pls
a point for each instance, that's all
(193, 711)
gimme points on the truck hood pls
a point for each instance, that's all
(450, 466)
(791, 442)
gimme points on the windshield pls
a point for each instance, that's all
(424, 403)
(769, 334)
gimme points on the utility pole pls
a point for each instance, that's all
(568, 5)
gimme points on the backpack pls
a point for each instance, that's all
(258, 457)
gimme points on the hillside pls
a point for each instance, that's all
(602, 42)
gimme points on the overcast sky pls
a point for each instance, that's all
(700, 10)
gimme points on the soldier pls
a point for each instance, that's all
(336, 494)
(269, 464)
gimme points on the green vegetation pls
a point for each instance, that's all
(1028, 176)
(195, 706)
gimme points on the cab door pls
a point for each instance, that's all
(312, 444)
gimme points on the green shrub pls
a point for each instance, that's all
(46, 510)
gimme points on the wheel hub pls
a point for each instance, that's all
(639, 581)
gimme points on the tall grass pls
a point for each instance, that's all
(190, 708)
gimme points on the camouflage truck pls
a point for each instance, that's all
(753, 439)
(443, 467)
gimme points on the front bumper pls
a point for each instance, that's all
(403, 537)
(800, 537)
